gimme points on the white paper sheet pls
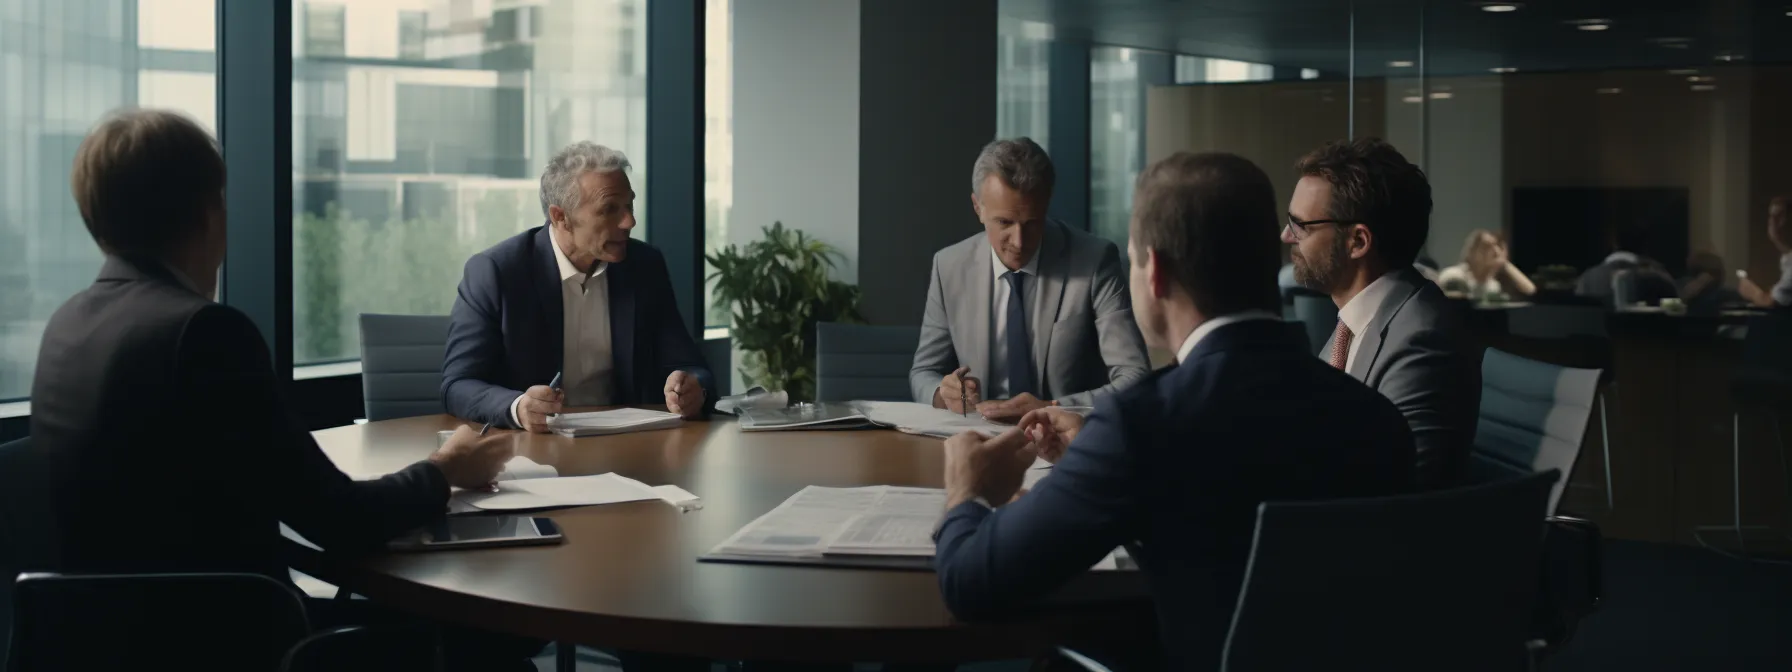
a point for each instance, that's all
(809, 522)
(518, 467)
(617, 421)
(542, 493)
(925, 420)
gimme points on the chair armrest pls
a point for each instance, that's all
(388, 647)
(1081, 660)
(1570, 542)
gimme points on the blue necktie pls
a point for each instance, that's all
(1020, 350)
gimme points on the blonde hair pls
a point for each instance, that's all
(1474, 241)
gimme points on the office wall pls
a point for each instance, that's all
(1464, 162)
(796, 122)
(927, 105)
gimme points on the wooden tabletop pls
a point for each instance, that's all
(628, 577)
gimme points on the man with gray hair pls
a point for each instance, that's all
(572, 312)
(1030, 313)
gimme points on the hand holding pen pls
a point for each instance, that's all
(538, 404)
(958, 391)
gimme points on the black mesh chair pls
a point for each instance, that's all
(384, 648)
(27, 538)
(153, 621)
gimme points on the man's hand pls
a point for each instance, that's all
(955, 388)
(989, 468)
(469, 460)
(1051, 430)
(684, 394)
(537, 404)
(1011, 410)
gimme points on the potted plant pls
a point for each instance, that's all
(778, 288)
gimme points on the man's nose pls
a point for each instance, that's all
(628, 222)
(1288, 234)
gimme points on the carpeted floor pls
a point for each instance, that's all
(1684, 608)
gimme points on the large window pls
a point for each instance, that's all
(420, 129)
(718, 144)
(63, 65)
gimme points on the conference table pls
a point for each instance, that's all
(627, 576)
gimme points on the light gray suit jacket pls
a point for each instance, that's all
(1417, 354)
(1084, 339)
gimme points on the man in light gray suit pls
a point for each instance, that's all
(1030, 312)
(1359, 217)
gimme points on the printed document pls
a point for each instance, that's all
(874, 520)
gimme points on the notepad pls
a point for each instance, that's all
(618, 421)
(548, 493)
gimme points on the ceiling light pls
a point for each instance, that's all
(1413, 99)
(1701, 78)
(1500, 7)
(1684, 71)
(1503, 70)
(1592, 24)
(1399, 64)
(1704, 87)
(1608, 90)
(1442, 95)
(1671, 42)
(1731, 56)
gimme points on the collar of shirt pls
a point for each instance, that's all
(1786, 260)
(998, 269)
(1627, 257)
(182, 278)
(569, 271)
(1194, 337)
(1359, 312)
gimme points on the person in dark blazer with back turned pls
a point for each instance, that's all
(152, 400)
(1176, 465)
(574, 297)
(1359, 217)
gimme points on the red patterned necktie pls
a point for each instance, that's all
(1340, 346)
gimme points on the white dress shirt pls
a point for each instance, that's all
(587, 364)
(1360, 312)
(1194, 337)
(1782, 290)
(1460, 273)
(996, 383)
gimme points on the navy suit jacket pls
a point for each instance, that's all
(1175, 468)
(507, 330)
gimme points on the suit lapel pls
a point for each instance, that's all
(622, 331)
(549, 293)
(975, 286)
(1384, 314)
(1053, 266)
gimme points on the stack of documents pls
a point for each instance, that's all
(877, 520)
(913, 418)
(757, 398)
(619, 421)
(548, 493)
(804, 416)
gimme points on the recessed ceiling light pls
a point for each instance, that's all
(1704, 87)
(1592, 24)
(1671, 42)
(1503, 70)
(1498, 7)
(1701, 78)
(1608, 90)
(1731, 56)
(1399, 64)
(1684, 71)
(1413, 99)
(1442, 95)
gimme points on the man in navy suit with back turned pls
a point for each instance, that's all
(1175, 466)
(573, 298)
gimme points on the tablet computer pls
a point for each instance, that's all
(481, 532)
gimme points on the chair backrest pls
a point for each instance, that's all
(1533, 417)
(132, 621)
(858, 362)
(27, 531)
(401, 364)
(1443, 580)
(1318, 313)
(1768, 346)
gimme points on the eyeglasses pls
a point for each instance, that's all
(1299, 227)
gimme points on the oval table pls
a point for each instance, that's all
(628, 576)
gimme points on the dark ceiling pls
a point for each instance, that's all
(1453, 37)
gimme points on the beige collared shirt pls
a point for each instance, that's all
(587, 361)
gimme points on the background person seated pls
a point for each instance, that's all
(574, 298)
(1780, 233)
(1486, 270)
(1702, 288)
(1643, 278)
(1029, 312)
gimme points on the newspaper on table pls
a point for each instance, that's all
(875, 520)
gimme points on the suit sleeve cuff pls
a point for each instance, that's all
(515, 419)
(970, 512)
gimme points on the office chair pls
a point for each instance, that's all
(1762, 384)
(859, 362)
(1318, 313)
(1578, 331)
(1441, 580)
(401, 364)
(130, 621)
(384, 648)
(1533, 418)
(27, 534)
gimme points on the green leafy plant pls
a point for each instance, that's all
(778, 288)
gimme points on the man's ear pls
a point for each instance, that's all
(557, 217)
(976, 207)
(1155, 275)
(1361, 241)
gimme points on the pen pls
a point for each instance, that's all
(484, 427)
(963, 398)
(555, 386)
